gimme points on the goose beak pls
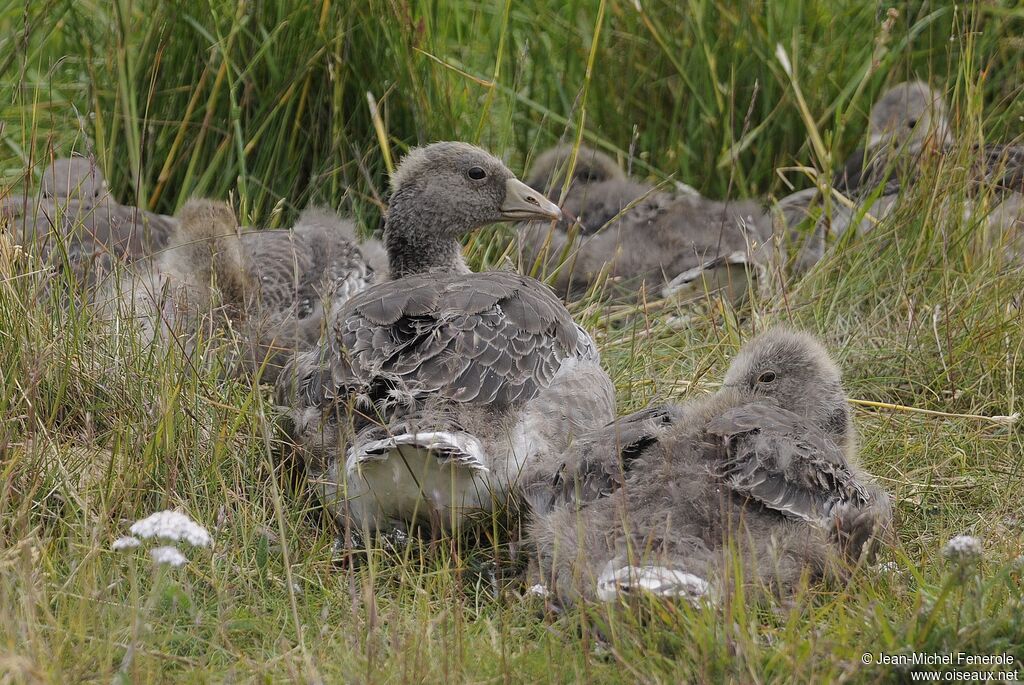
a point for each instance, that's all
(523, 203)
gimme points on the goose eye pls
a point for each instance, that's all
(766, 377)
(477, 174)
(911, 124)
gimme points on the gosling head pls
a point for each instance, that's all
(74, 178)
(910, 113)
(794, 369)
(592, 166)
(443, 191)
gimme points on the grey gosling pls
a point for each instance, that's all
(661, 500)
(598, 190)
(275, 286)
(76, 209)
(906, 121)
(432, 391)
(199, 279)
(910, 120)
(635, 234)
(300, 274)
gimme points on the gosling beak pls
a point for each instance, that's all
(523, 203)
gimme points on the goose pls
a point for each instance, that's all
(275, 286)
(636, 234)
(657, 501)
(598, 190)
(299, 275)
(170, 294)
(911, 120)
(431, 391)
(74, 178)
(908, 120)
(76, 208)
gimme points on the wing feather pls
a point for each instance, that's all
(494, 337)
(773, 456)
(600, 464)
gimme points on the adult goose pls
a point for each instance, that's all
(638, 235)
(663, 499)
(431, 392)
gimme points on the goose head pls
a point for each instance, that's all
(444, 191)
(794, 370)
(74, 178)
(909, 114)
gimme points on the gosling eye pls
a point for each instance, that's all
(476, 173)
(911, 124)
(766, 377)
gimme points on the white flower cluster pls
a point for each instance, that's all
(172, 525)
(126, 542)
(168, 555)
(964, 548)
(165, 525)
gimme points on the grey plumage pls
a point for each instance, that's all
(299, 274)
(171, 294)
(431, 391)
(74, 178)
(636, 234)
(910, 120)
(76, 215)
(598, 189)
(907, 120)
(764, 469)
(274, 287)
(770, 455)
(592, 166)
(429, 224)
(907, 124)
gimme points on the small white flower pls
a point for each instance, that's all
(172, 525)
(168, 555)
(126, 542)
(538, 590)
(964, 548)
(890, 567)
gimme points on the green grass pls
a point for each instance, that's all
(269, 107)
